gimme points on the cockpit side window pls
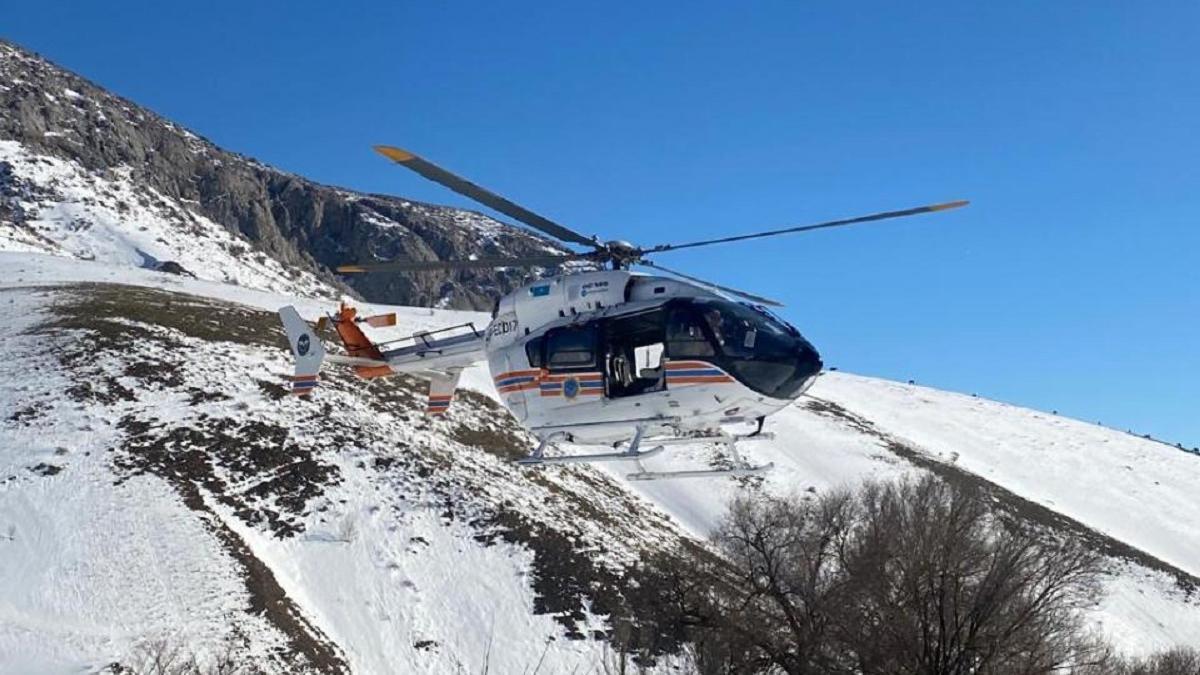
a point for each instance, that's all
(759, 350)
(571, 349)
(740, 331)
(686, 337)
(735, 332)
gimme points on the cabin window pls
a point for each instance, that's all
(571, 349)
(533, 349)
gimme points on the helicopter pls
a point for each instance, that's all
(597, 354)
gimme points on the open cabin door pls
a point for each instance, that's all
(634, 348)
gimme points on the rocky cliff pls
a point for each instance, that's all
(299, 224)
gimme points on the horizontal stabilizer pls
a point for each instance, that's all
(354, 361)
(381, 320)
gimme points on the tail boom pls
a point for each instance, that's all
(435, 355)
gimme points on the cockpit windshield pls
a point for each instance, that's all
(763, 352)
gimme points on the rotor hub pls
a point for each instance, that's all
(621, 253)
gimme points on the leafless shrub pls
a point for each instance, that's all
(933, 584)
(911, 577)
(778, 599)
(164, 656)
(620, 661)
(1178, 661)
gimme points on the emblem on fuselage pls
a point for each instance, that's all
(571, 387)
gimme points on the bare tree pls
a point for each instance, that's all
(912, 577)
(937, 585)
(783, 582)
(163, 656)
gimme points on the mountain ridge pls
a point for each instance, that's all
(303, 225)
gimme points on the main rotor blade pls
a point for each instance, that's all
(486, 197)
(819, 226)
(482, 263)
(732, 291)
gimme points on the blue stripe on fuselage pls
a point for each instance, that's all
(515, 380)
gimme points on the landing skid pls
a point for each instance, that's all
(635, 454)
(632, 454)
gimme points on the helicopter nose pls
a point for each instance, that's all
(808, 365)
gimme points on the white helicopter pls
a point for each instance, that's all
(599, 356)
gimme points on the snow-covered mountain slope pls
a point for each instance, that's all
(86, 173)
(1134, 490)
(157, 481)
(1130, 498)
(109, 217)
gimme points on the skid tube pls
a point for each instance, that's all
(635, 454)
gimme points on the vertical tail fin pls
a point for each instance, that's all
(306, 348)
(441, 391)
(356, 341)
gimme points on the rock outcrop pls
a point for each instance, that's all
(301, 224)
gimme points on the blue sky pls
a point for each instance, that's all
(1070, 284)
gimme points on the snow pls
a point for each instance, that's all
(809, 452)
(378, 594)
(382, 574)
(372, 218)
(488, 230)
(1144, 612)
(1135, 490)
(33, 269)
(378, 569)
(89, 568)
(109, 217)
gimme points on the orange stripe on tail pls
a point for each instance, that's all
(358, 344)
